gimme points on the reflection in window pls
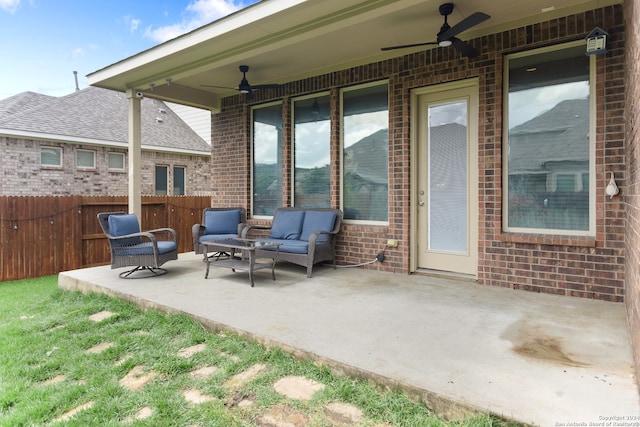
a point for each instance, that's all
(549, 141)
(116, 161)
(179, 181)
(86, 159)
(311, 150)
(51, 156)
(365, 125)
(267, 159)
(162, 179)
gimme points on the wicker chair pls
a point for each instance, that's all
(146, 251)
(217, 224)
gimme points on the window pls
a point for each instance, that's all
(179, 181)
(549, 153)
(365, 153)
(116, 161)
(51, 156)
(162, 180)
(267, 159)
(311, 136)
(86, 159)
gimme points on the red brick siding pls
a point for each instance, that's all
(631, 191)
(585, 267)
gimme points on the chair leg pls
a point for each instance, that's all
(154, 272)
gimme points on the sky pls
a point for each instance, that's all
(42, 42)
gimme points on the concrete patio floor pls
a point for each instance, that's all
(459, 347)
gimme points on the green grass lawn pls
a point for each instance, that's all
(60, 367)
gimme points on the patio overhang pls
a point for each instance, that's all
(287, 40)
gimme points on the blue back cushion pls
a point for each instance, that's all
(222, 222)
(287, 225)
(317, 221)
(121, 225)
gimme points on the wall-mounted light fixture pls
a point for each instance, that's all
(612, 189)
(597, 42)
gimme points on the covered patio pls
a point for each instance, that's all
(458, 347)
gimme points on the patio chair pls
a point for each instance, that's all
(218, 223)
(146, 251)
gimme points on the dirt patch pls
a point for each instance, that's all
(136, 379)
(343, 414)
(194, 396)
(99, 317)
(244, 377)
(190, 351)
(99, 348)
(300, 388)
(67, 415)
(282, 416)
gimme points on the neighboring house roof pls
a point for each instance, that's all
(22, 102)
(557, 135)
(97, 116)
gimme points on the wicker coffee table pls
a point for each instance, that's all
(248, 260)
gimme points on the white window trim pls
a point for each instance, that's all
(93, 154)
(591, 232)
(124, 161)
(47, 165)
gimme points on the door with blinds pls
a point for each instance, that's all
(446, 191)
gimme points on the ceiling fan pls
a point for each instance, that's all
(447, 34)
(244, 86)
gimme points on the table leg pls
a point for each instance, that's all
(252, 262)
(206, 259)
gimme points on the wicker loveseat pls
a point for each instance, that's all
(306, 236)
(146, 251)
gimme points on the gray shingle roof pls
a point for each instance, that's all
(102, 114)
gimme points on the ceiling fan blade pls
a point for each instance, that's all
(406, 45)
(468, 22)
(464, 48)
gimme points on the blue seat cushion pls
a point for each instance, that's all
(146, 248)
(317, 221)
(290, 246)
(222, 222)
(287, 225)
(121, 225)
(208, 237)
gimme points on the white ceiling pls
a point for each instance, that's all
(286, 40)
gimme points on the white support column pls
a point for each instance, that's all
(135, 154)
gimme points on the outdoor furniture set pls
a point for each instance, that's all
(300, 236)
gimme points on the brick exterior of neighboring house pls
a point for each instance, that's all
(95, 120)
(589, 267)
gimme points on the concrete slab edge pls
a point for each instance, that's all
(440, 405)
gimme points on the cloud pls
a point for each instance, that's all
(77, 52)
(9, 5)
(197, 14)
(132, 23)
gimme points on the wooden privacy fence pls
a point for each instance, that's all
(45, 235)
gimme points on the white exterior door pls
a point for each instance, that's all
(445, 199)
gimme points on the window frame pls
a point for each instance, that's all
(93, 156)
(124, 161)
(293, 141)
(252, 154)
(51, 165)
(155, 180)
(184, 180)
(591, 232)
(342, 163)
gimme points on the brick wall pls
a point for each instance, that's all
(631, 191)
(583, 267)
(22, 174)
